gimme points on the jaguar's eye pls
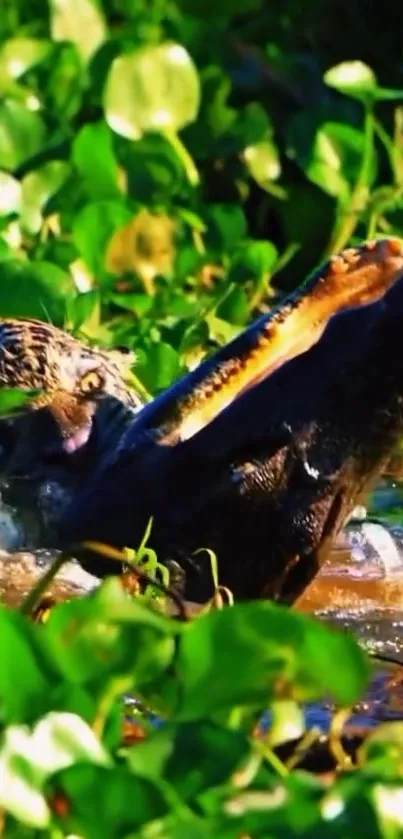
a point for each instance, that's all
(91, 382)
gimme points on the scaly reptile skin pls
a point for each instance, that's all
(73, 377)
(262, 452)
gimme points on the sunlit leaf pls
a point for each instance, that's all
(145, 246)
(79, 21)
(263, 162)
(27, 759)
(155, 88)
(353, 78)
(19, 54)
(22, 133)
(10, 194)
(37, 188)
(331, 157)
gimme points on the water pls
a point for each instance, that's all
(360, 590)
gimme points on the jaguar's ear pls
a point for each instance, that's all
(355, 277)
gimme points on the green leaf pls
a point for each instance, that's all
(22, 133)
(284, 655)
(354, 78)
(93, 156)
(28, 759)
(192, 757)
(154, 170)
(10, 194)
(63, 87)
(160, 367)
(25, 681)
(226, 225)
(357, 80)
(83, 308)
(235, 307)
(137, 303)
(12, 399)
(108, 800)
(34, 290)
(253, 260)
(155, 88)
(78, 21)
(332, 159)
(17, 55)
(93, 229)
(37, 188)
(108, 636)
(263, 162)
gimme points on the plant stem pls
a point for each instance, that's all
(350, 213)
(184, 156)
(33, 597)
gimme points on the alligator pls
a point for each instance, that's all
(261, 453)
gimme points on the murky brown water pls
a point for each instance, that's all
(360, 589)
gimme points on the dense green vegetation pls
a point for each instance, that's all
(166, 169)
(161, 177)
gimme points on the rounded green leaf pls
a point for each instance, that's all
(107, 801)
(109, 636)
(24, 681)
(78, 21)
(160, 367)
(226, 226)
(93, 156)
(34, 290)
(20, 54)
(153, 169)
(37, 187)
(280, 650)
(331, 156)
(253, 260)
(354, 78)
(263, 162)
(234, 307)
(10, 194)
(22, 133)
(155, 88)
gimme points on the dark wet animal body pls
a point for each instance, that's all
(261, 453)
